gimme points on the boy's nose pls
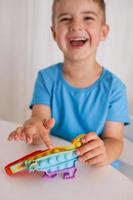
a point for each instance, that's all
(75, 29)
(75, 26)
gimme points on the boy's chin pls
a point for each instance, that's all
(77, 58)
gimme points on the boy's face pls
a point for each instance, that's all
(78, 28)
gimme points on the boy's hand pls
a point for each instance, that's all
(93, 151)
(34, 128)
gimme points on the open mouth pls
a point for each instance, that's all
(78, 42)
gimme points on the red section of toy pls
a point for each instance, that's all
(21, 160)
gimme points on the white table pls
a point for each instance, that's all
(104, 183)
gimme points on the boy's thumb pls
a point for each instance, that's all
(49, 124)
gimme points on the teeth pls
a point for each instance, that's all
(78, 39)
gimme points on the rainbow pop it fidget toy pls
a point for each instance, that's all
(51, 162)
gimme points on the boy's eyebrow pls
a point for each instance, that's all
(62, 14)
(84, 12)
(89, 12)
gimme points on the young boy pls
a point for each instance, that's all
(79, 95)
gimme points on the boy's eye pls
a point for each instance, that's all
(65, 19)
(89, 18)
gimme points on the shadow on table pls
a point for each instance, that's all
(126, 169)
(129, 130)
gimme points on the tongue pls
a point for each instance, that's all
(77, 43)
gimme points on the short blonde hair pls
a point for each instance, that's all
(101, 4)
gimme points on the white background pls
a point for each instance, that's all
(26, 45)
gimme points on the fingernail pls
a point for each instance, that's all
(83, 140)
(80, 159)
(29, 140)
(78, 153)
(50, 146)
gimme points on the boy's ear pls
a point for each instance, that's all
(53, 32)
(105, 31)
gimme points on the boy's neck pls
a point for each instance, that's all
(81, 73)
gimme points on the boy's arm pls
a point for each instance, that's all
(113, 139)
(41, 111)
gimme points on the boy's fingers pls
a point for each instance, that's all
(29, 133)
(22, 136)
(88, 137)
(15, 134)
(11, 136)
(90, 154)
(87, 147)
(49, 124)
(18, 133)
(47, 140)
(29, 139)
(19, 130)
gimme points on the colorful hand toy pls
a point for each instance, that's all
(51, 162)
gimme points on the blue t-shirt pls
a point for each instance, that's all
(80, 110)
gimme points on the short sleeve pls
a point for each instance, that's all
(41, 93)
(118, 106)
